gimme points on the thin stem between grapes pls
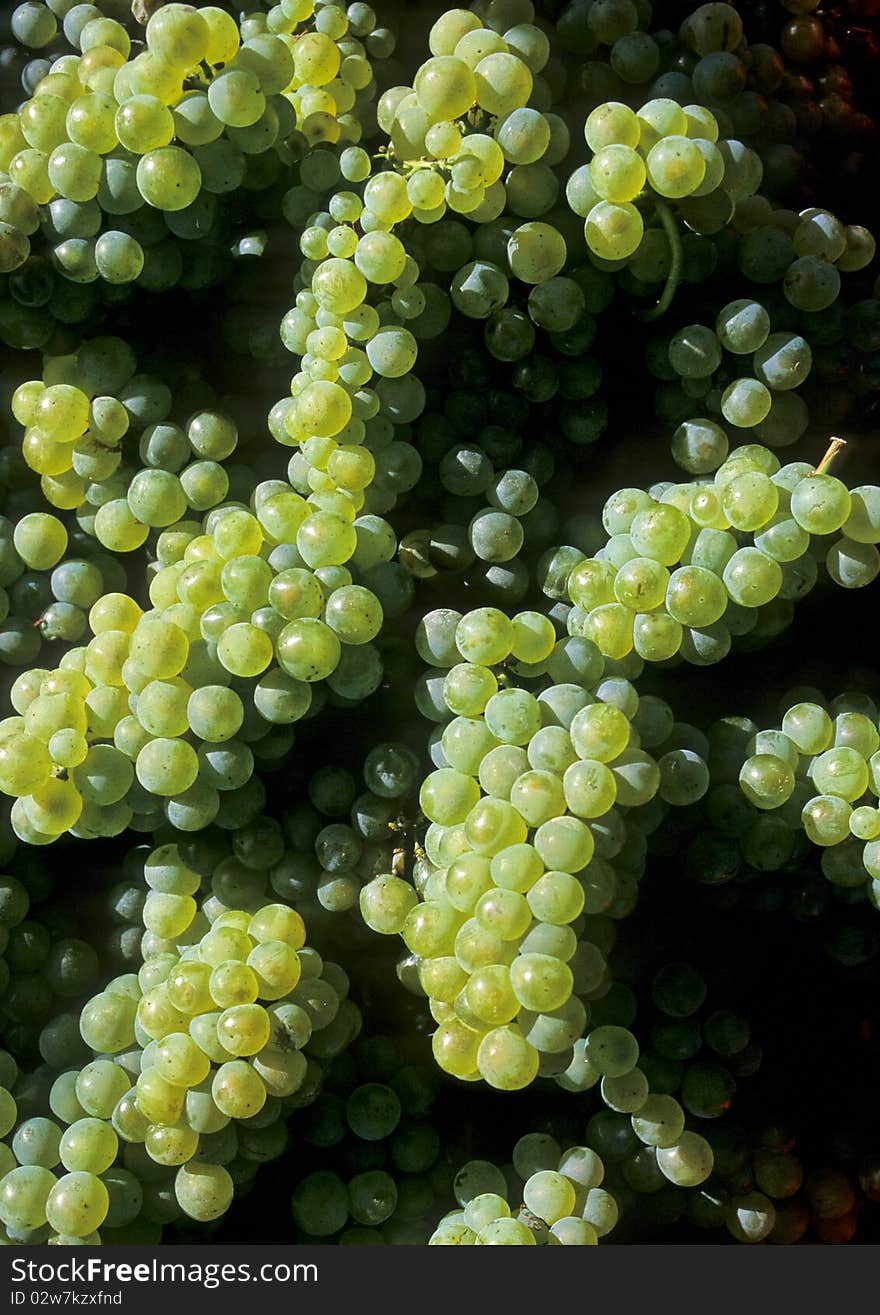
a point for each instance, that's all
(673, 278)
(835, 446)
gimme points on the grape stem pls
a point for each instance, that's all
(835, 446)
(673, 278)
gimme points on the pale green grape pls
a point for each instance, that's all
(506, 1060)
(24, 1194)
(88, 1146)
(613, 231)
(659, 1122)
(766, 780)
(203, 1191)
(611, 123)
(675, 166)
(168, 178)
(77, 1204)
(745, 402)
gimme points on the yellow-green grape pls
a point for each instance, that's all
(233, 983)
(490, 996)
(61, 412)
(157, 1012)
(767, 780)
(222, 943)
(278, 922)
(505, 1232)
(612, 123)
(339, 287)
(117, 528)
(99, 1086)
(549, 1195)
(238, 1090)
(675, 166)
(447, 796)
(68, 748)
(186, 989)
(503, 83)
(24, 764)
(505, 912)
(565, 844)
(455, 1046)
(245, 650)
(277, 967)
(506, 1060)
(385, 902)
(77, 1204)
(203, 1191)
(571, 1230)
(40, 540)
(171, 1145)
(516, 867)
(282, 1072)
(534, 637)
(626, 1093)
(49, 713)
(24, 1193)
(243, 1029)
(842, 772)
(492, 824)
(167, 767)
(445, 87)
(144, 123)
(179, 1060)
(29, 169)
(541, 982)
(614, 1051)
(53, 808)
(203, 1030)
(8, 1111)
(617, 173)
(74, 171)
(484, 1208)
(168, 916)
(659, 1122)
(88, 1146)
(157, 1099)
(536, 252)
(613, 231)
(119, 612)
(179, 36)
(308, 650)
(556, 898)
(688, 1162)
(168, 178)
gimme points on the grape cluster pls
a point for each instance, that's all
(561, 1200)
(197, 1056)
(811, 780)
(439, 247)
(686, 570)
(513, 861)
(118, 160)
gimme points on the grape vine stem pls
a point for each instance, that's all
(673, 278)
(835, 446)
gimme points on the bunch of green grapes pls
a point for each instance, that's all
(820, 774)
(688, 569)
(529, 794)
(191, 1074)
(545, 1196)
(128, 155)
